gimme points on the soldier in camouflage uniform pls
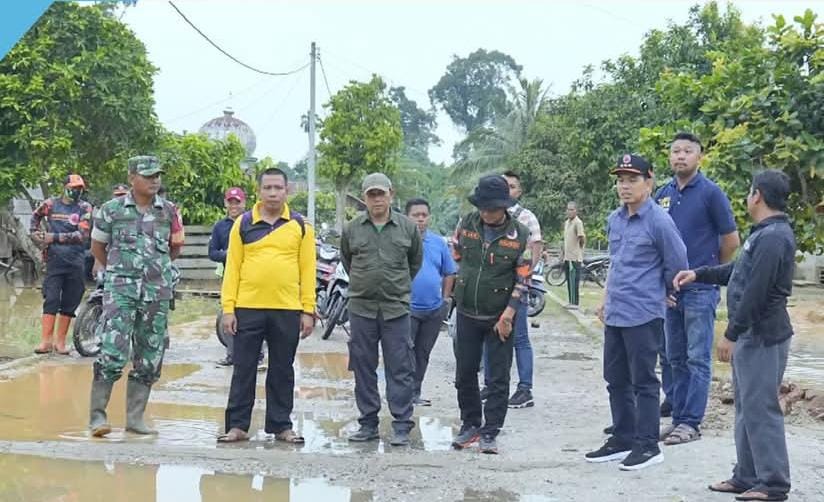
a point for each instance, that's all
(136, 237)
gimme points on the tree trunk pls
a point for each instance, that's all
(340, 205)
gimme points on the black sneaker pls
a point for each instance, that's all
(666, 409)
(642, 457)
(364, 434)
(489, 445)
(609, 431)
(466, 436)
(521, 399)
(484, 394)
(226, 361)
(613, 449)
(400, 438)
(422, 402)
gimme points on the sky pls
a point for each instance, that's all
(408, 43)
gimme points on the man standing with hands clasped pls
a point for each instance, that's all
(268, 294)
(757, 339)
(382, 251)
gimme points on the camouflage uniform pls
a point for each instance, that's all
(138, 285)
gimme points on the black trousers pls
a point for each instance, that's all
(63, 290)
(281, 330)
(630, 356)
(426, 325)
(472, 336)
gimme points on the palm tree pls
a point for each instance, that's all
(488, 149)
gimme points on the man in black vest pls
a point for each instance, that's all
(492, 284)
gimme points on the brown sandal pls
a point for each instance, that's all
(727, 486)
(289, 436)
(233, 436)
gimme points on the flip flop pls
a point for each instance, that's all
(759, 495)
(233, 436)
(727, 486)
(289, 436)
(38, 350)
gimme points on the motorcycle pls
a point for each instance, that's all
(337, 302)
(537, 290)
(328, 258)
(593, 269)
(85, 336)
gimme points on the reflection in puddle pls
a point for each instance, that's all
(323, 365)
(52, 402)
(28, 479)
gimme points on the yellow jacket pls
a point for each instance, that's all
(273, 269)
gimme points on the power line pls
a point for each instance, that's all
(236, 60)
(323, 72)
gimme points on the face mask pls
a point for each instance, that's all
(73, 193)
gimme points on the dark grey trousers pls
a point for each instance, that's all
(395, 339)
(425, 326)
(760, 444)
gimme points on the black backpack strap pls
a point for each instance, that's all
(245, 223)
(299, 218)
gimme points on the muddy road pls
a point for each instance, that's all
(46, 454)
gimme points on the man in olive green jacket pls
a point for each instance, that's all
(492, 283)
(382, 251)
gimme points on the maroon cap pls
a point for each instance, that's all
(235, 193)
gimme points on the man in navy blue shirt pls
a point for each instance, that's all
(646, 251)
(431, 292)
(703, 215)
(235, 203)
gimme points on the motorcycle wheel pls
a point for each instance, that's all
(537, 302)
(337, 305)
(221, 335)
(84, 333)
(555, 276)
(598, 275)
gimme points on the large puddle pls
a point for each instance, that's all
(187, 408)
(35, 479)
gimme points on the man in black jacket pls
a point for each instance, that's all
(757, 339)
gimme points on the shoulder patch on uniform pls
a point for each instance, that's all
(513, 234)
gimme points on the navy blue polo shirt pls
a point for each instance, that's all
(702, 213)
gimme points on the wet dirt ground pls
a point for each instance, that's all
(46, 454)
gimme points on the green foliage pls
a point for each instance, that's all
(361, 134)
(324, 206)
(761, 107)
(418, 125)
(198, 172)
(473, 89)
(75, 96)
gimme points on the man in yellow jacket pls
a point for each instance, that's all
(268, 294)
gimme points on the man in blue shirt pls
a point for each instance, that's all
(431, 292)
(234, 200)
(646, 251)
(704, 217)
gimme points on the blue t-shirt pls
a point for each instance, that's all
(702, 214)
(437, 264)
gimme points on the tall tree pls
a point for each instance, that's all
(76, 96)
(418, 125)
(473, 89)
(361, 134)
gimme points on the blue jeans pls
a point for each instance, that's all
(523, 351)
(689, 332)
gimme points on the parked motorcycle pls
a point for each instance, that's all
(593, 269)
(537, 290)
(328, 258)
(84, 334)
(337, 294)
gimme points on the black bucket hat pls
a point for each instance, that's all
(492, 192)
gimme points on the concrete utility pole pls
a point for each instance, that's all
(310, 176)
